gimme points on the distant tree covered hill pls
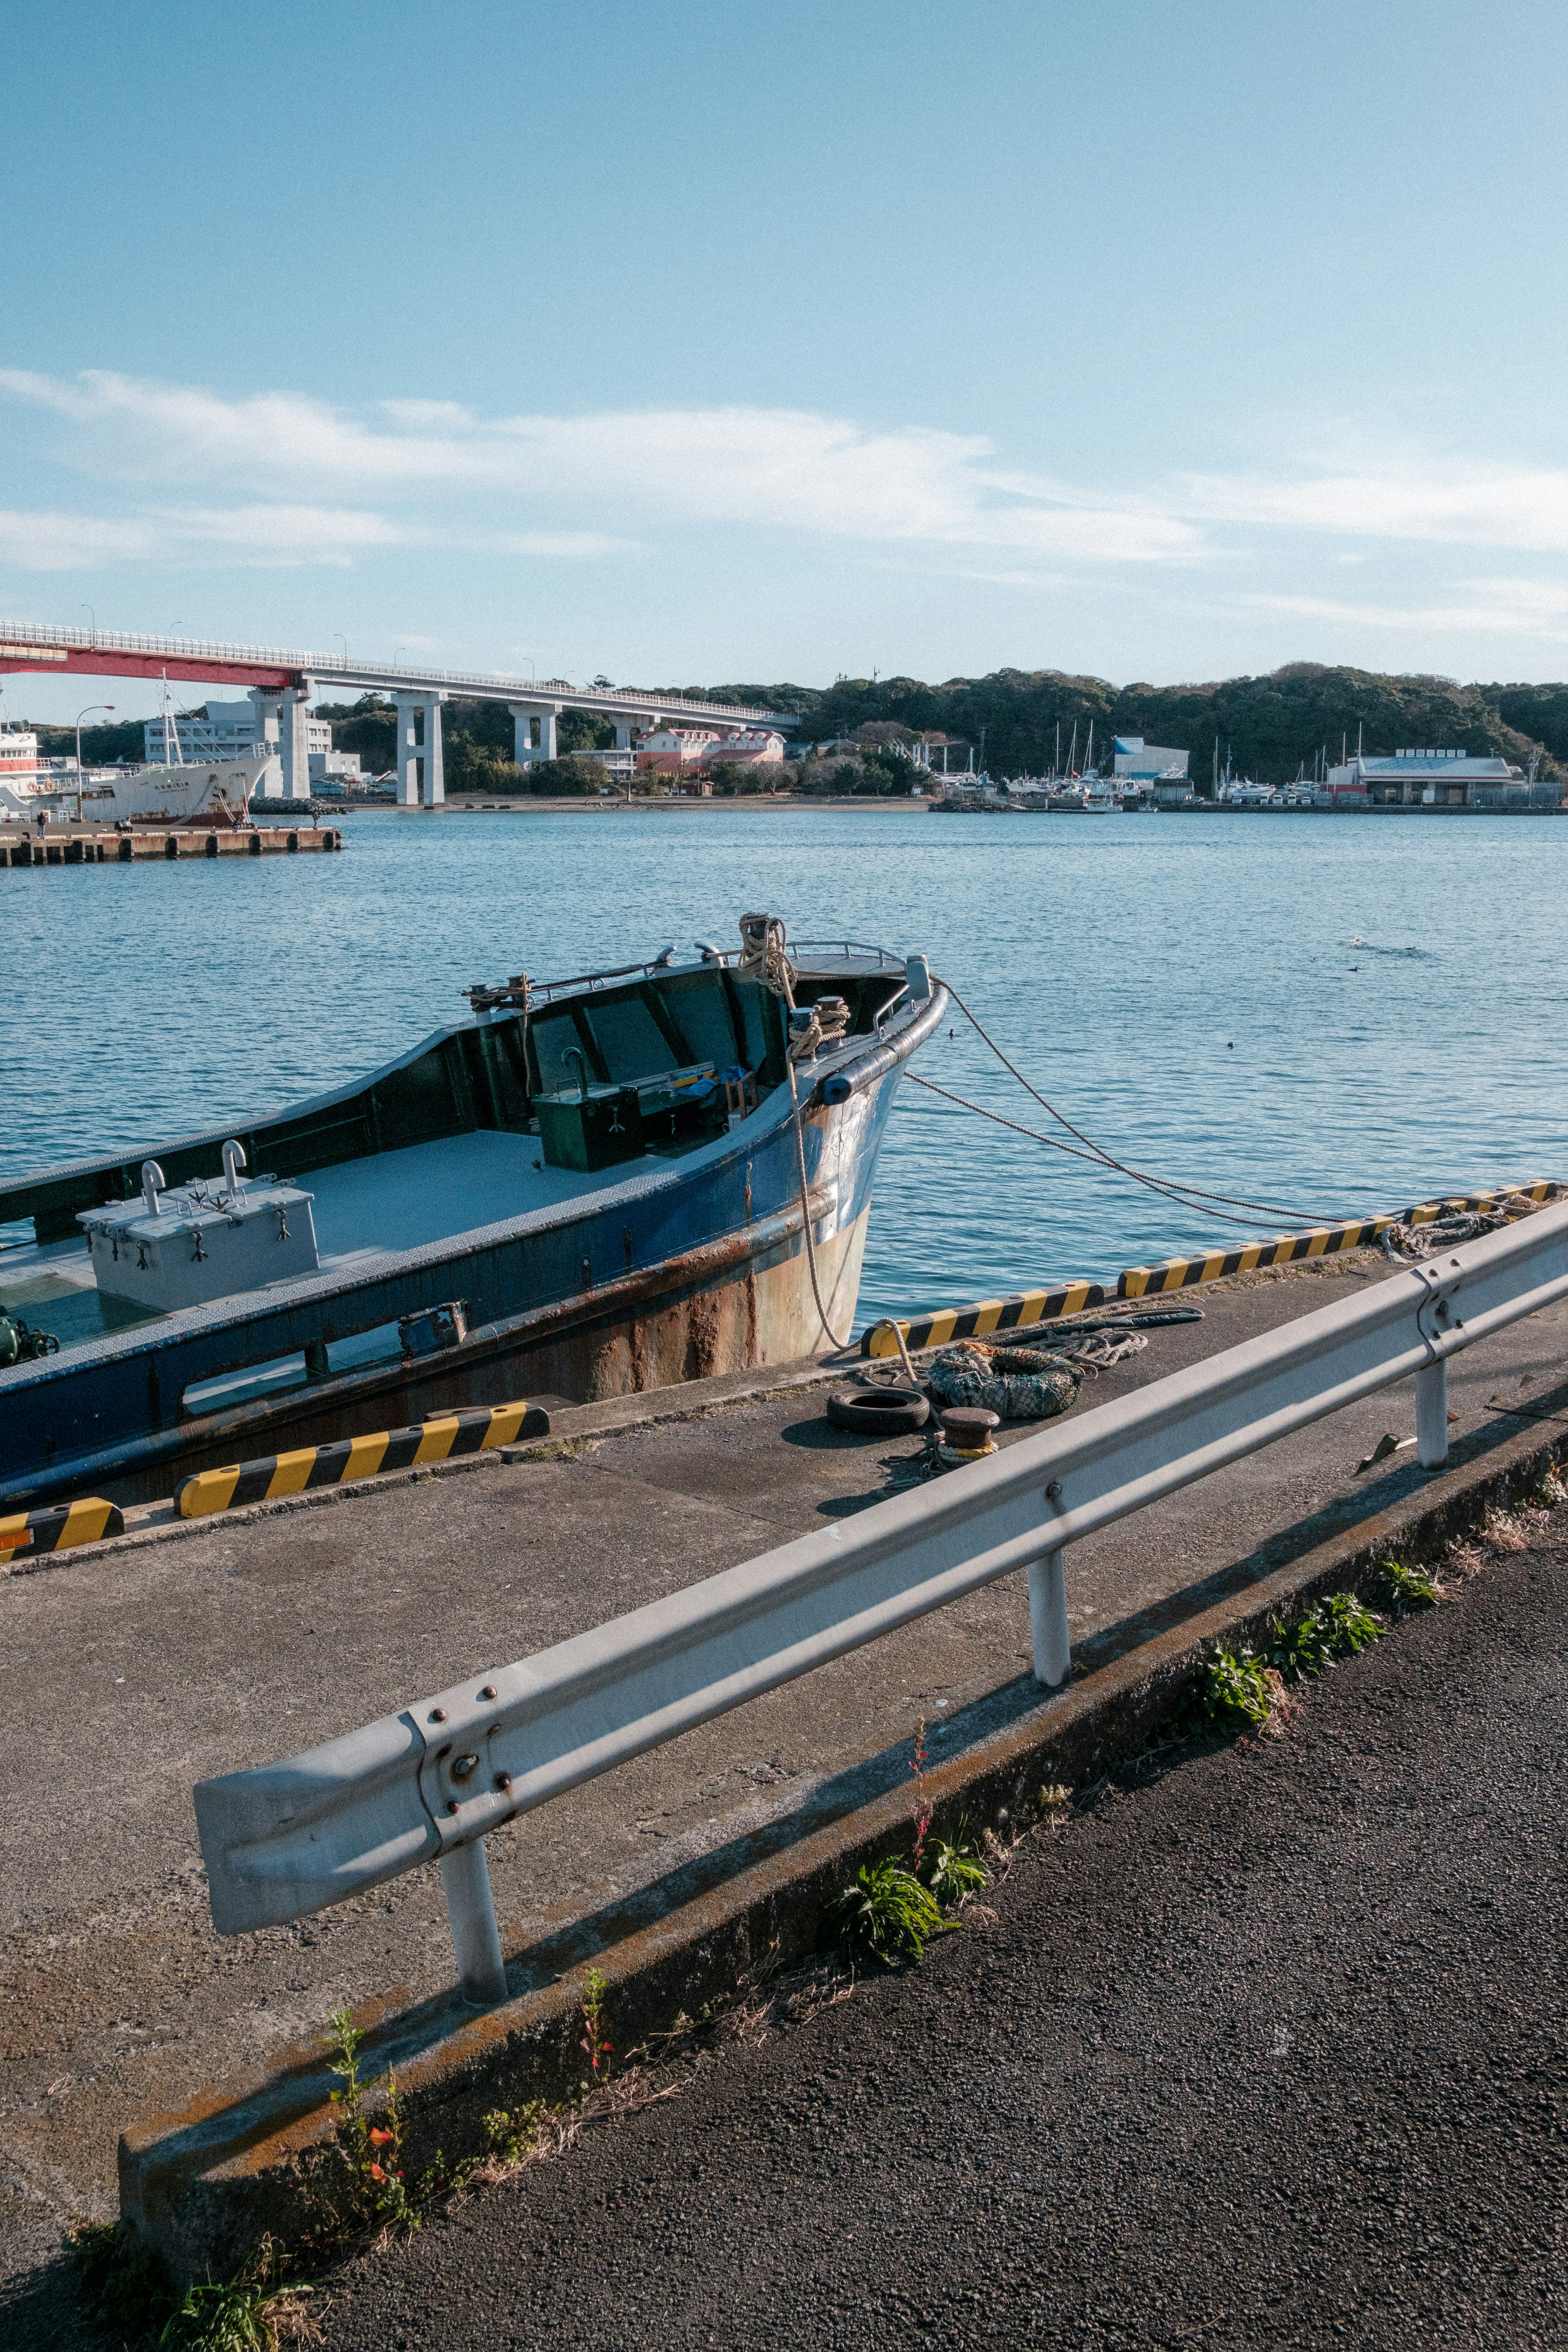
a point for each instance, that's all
(1267, 726)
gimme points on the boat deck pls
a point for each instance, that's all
(394, 1200)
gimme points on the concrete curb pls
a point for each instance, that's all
(205, 2182)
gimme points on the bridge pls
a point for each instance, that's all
(284, 683)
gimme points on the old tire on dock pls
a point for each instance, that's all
(879, 1412)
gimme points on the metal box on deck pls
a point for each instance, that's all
(590, 1128)
(201, 1244)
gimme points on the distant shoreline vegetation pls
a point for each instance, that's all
(1268, 726)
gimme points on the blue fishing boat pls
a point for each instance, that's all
(582, 1189)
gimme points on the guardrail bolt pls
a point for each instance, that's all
(488, 1691)
(437, 1715)
(503, 1780)
(463, 1766)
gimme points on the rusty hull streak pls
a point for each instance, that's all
(494, 1359)
(204, 2192)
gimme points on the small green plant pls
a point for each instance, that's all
(1231, 1689)
(125, 2291)
(371, 2152)
(953, 1870)
(252, 2311)
(885, 1914)
(1399, 1589)
(593, 2042)
(513, 2133)
(1335, 1628)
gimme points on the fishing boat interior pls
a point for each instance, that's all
(546, 1094)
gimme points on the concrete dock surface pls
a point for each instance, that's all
(140, 1667)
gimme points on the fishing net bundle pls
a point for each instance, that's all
(1017, 1383)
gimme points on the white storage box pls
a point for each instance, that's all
(199, 1243)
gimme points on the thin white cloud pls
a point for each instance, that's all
(266, 535)
(771, 468)
(1519, 507)
(250, 537)
(1484, 607)
(67, 542)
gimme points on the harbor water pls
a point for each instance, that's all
(1327, 1015)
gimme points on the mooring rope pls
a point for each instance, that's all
(806, 1212)
(1184, 1195)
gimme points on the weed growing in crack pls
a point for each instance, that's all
(256, 2310)
(953, 1870)
(1399, 1589)
(127, 2295)
(515, 2135)
(593, 2042)
(1231, 1692)
(1332, 1629)
(885, 1914)
(359, 2186)
(923, 1807)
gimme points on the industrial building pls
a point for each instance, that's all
(1434, 779)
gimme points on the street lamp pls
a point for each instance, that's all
(84, 712)
(344, 643)
(92, 616)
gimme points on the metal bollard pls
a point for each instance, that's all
(1048, 1618)
(1432, 1415)
(471, 1914)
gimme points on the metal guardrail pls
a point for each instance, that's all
(33, 636)
(291, 1839)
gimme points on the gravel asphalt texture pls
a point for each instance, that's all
(1268, 2044)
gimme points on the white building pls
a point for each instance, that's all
(1433, 779)
(1146, 763)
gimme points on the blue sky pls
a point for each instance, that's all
(706, 342)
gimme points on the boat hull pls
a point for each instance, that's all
(676, 1273)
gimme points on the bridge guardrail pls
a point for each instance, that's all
(286, 1839)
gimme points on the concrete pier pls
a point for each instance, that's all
(103, 846)
(185, 1649)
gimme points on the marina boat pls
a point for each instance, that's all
(583, 1188)
(1099, 800)
(170, 792)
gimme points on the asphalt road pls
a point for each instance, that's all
(1270, 2045)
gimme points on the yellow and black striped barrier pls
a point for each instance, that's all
(59, 1527)
(441, 1439)
(1183, 1272)
(1028, 1306)
(988, 1315)
(1321, 1241)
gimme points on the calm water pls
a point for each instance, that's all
(1334, 1014)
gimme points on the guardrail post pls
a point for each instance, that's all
(471, 1912)
(1432, 1415)
(1048, 1618)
